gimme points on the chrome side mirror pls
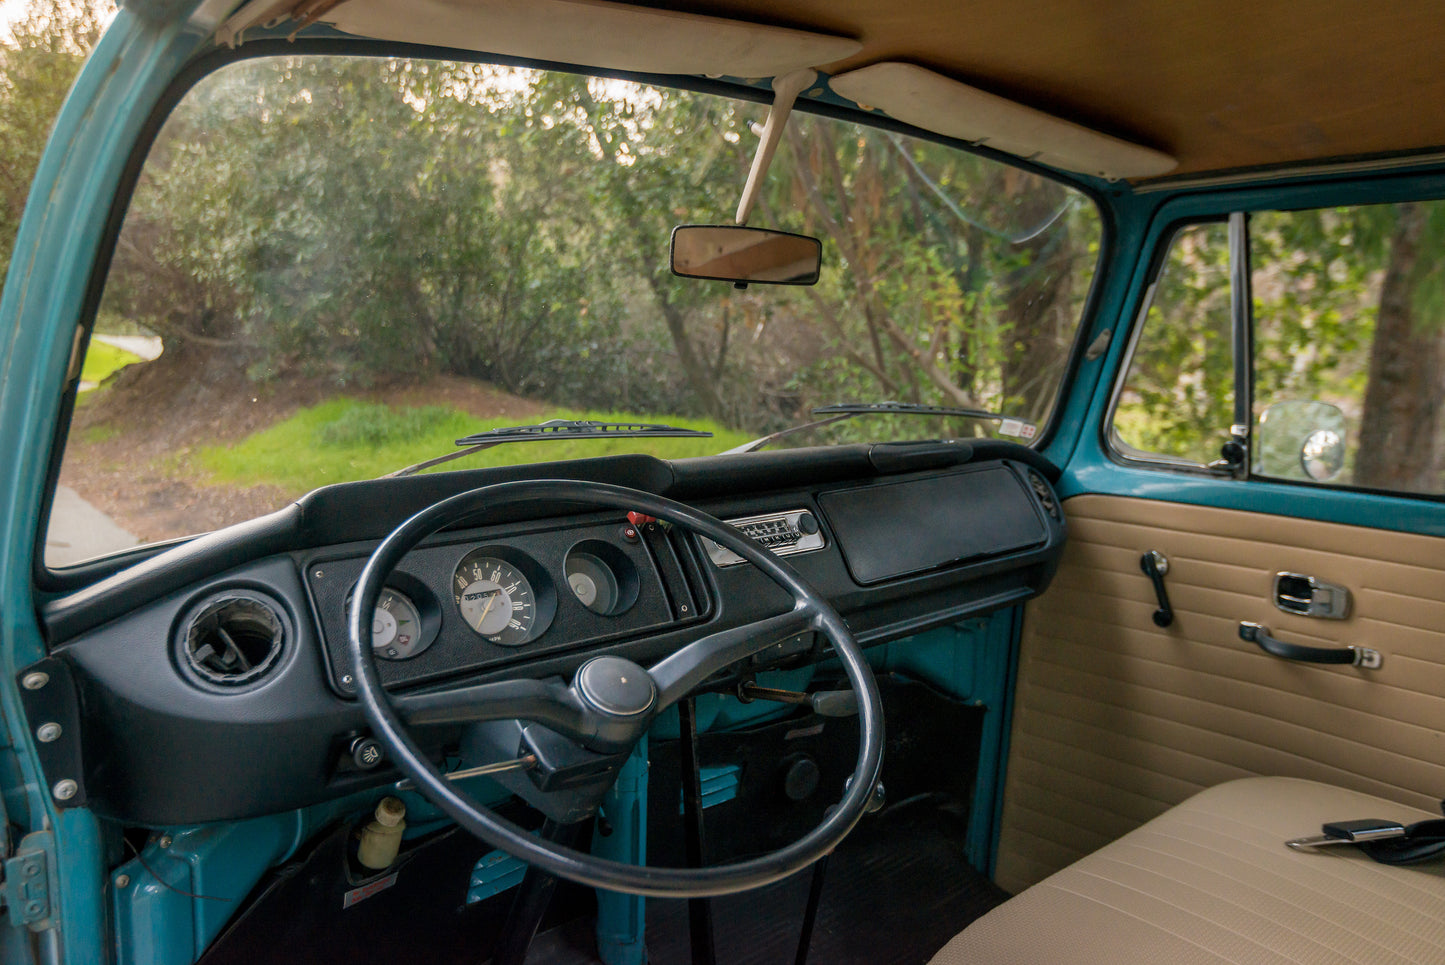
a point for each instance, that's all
(1323, 454)
(1301, 440)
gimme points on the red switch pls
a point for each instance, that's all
(640, 519)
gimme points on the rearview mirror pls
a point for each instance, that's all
(745, 255)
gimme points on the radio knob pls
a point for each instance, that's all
(807, 524)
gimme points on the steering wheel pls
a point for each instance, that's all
(610, 701)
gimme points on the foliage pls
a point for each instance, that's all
(368, 219)
(1347, 310)
(1178, 397)
(345, 439)
(38, 61)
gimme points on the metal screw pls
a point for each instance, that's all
(35, 680)
(32, 869)
(122, 881)
(48, 732)
(165, 841)
(346, 680)
(33, 909)
(318, 574)
(64, 790)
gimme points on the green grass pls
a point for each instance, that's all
(103, 361)
(345, 439)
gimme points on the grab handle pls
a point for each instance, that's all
(1258, 633)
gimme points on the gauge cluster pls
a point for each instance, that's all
(477, 600)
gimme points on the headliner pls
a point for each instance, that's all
(1219, 84)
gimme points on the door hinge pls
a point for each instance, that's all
(25, 892)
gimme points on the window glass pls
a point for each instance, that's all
(1177, 400)
(333, 267)
(1349, 308)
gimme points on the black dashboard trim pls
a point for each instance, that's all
(369, 509)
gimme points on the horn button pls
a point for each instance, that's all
(616, 687)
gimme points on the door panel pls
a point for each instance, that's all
(1116, 720)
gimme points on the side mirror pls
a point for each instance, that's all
(745, 255)
(1301, 440)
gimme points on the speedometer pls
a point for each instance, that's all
(495, 599)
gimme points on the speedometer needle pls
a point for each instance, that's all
(492, 599)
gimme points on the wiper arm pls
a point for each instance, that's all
(849, 410)
(552, 429)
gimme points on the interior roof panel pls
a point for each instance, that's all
(1220, 84)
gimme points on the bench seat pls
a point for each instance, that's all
(1211, 882)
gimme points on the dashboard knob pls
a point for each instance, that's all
(367, 753)
(807, 524)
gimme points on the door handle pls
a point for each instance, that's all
(1257, 633)
(1307, 596)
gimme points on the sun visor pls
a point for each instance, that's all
(918, 96)
(589, 33)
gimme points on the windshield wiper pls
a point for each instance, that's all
(552, 429)
(849, 410)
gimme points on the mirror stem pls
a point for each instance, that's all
(787, 88)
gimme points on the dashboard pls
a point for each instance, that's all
(208, 680)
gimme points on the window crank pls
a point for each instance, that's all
(1155, 564)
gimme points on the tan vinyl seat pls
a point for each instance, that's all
(1210, 881)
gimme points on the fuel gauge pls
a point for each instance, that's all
(396, 630)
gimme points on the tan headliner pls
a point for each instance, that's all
(1219, 84)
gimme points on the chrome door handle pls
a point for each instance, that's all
(1307, 596)
(1257, 633)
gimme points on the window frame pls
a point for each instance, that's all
(1119, 450)
(1121, 453)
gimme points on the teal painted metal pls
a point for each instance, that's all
(719, 785)
(969, 661)
(156, 922)
(55, 250)
(983, 842)
(621, 919)
(494, 873)
(1144, 221)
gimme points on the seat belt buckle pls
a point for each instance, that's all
(1349, 832)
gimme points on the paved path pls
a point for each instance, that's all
(79, 531)
(148, 347)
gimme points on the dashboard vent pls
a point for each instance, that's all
(1046, 495)
(234, 639)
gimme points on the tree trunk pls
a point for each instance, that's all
(1402, 400)
(699, 375)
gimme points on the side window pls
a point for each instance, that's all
(1177, 401)
(1347, 316)
(1349, 329)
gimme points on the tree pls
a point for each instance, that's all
(38, 63)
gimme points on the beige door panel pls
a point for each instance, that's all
(1116, 720)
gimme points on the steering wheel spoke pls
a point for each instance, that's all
(678, 675)
(545, 702)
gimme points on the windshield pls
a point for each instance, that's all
(334, 267)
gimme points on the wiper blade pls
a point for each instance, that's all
(552, 429)
(904, 408)
(848, 410)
